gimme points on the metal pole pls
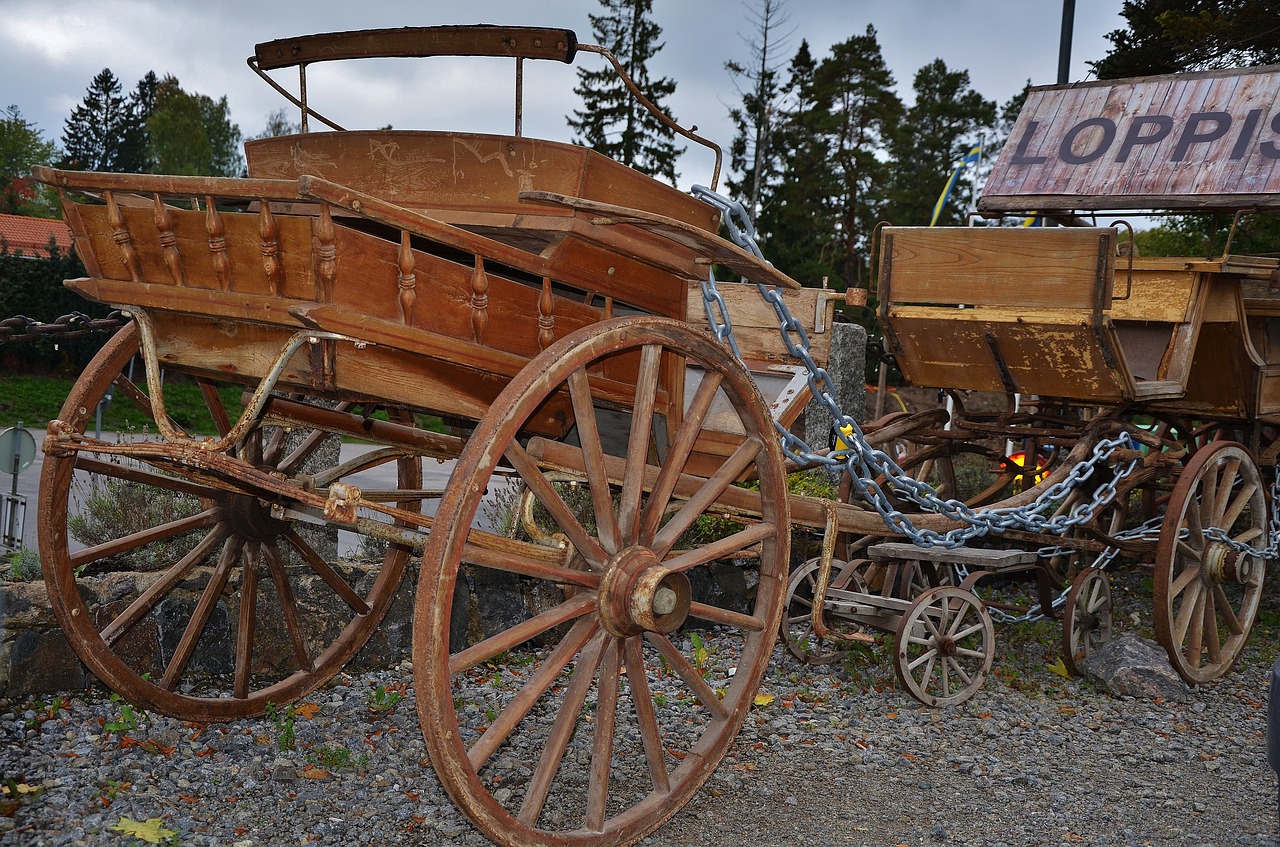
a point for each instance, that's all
(11, 531)
(1064, 46)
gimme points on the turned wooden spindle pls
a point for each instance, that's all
(217, 244)
(546, 320)
(168, 241)
(269, 243)
(408, 280)
(326, 253)
(124, 241)
(479, 301)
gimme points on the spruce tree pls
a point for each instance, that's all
(611, 121)
(854, 87)
(947, 120)
(97, 135)
(798, 221)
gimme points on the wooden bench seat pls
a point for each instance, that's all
(990, 560)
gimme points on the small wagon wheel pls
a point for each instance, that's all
(1206, 592)
(610, 682)
(797, 626)
(1087, 617)
(944, 646)
(183, 566)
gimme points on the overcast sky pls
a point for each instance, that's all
(50, 52)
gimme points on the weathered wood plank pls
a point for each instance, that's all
(1026, 268)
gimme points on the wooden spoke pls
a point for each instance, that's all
(650, 733)
(689, 674)
(638, 445)
(584, 414)
(678, 455)
(200, 617)
(551, 500)
(323, 570)
(142, 538)
(721, 548)
(213, 402)
(1185, 580)
(1231, 511)
(540, 568)
(728, 617)
(111, 470)
(710, 491)
(575, 696)
(602, 739)
(159, 589)
(1186, 613)
(1223, 605)
(288, 608)
(538, 685)
(248, 620)
(305, 449)
(1213, 643)
(574, 607)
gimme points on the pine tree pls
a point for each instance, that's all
(854, 87)
(753, 154)
(1167, 36)
(135, 144)
(613, 122)
(798, 221)
(945, 123)
(97, 135)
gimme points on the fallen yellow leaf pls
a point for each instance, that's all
(149, 830)
(1060, 668)
(306, 710)
(763, 699)
(20, 787)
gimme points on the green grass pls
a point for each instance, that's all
(35, 400)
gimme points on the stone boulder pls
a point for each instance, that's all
(1130, 666)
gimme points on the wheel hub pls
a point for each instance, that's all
(946, 646)
(1225, 565)
(639, 595)
(251, 519)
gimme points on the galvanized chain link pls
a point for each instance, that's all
(75, 325)
(865, 463)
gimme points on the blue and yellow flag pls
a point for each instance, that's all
(970, 159)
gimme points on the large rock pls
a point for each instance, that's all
(1130, 666)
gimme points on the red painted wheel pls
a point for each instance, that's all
(604, 673)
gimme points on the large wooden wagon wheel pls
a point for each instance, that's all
(186, 575)
(611, 717)
(1206, 592)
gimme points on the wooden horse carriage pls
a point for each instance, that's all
(1179, 352)
(532, 313)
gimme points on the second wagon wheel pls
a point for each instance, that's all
(944, 646)
(594, 720)
(1207, 591)
(797, 621)
(1086, 617)
(191, 600)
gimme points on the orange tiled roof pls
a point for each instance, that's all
(30, 236)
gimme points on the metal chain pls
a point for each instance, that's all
(865, 463)
(75, 325)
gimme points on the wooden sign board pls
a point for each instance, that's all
(1183, 141)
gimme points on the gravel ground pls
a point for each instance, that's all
(840, 756)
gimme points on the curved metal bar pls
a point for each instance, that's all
(252, 411)
(690, 133)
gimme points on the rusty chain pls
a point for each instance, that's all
(75, 325)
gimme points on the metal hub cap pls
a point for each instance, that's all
(639, 595)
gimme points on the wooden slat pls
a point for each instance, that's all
(755, 324)
(1024, 268)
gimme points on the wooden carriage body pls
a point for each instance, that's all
(1057, 312)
